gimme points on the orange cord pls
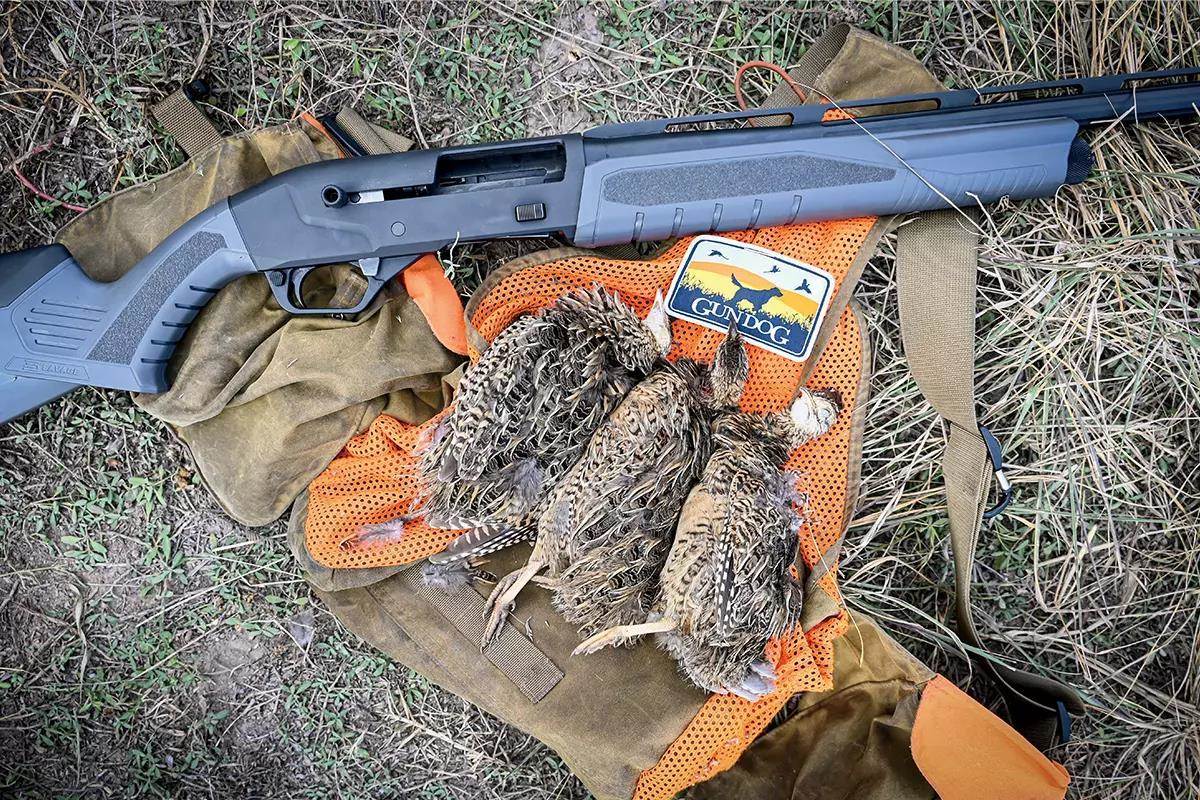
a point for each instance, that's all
(778, 70)
(316, 123)
(33, 187)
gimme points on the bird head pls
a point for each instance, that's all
(659, 324)
(730, 369)
(813, 413)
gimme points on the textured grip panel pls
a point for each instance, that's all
(747, 177)
(71, 329)
(120, 342)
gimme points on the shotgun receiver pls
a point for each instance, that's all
(617, 183)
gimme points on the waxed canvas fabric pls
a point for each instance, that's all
(265, 400)
(853, 742)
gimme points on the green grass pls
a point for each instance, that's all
(153, 648)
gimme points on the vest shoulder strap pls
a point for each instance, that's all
(936, 264)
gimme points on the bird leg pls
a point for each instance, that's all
(620, 633)
(504, 596)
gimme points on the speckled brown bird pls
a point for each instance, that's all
(606, 530)
(727, 587)
(524, 413)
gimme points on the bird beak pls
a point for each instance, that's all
(660, 324)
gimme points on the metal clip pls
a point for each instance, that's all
(996, 456)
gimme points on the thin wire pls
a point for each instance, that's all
(899, 158)
(802, 91)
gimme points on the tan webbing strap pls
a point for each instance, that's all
(511, 653)
(806, 72)
(936, 262)
(186, 123)
(371, 138)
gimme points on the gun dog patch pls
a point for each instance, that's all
(778, 302)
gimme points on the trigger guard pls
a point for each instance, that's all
(286, 286)
(281, 282)
(295, 282)
(283, 289)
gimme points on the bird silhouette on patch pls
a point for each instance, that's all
(751, 287)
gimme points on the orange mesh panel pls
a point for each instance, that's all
(373, 479)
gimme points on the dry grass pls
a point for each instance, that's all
(151, 648)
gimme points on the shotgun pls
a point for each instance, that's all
(631, 182)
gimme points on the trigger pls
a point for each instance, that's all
(296, 278)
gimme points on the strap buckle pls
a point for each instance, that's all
(197, 90)
(1064, 722)
(996, 456)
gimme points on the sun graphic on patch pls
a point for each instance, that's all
(777, 302)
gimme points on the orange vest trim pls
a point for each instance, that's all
(966, 752)
(427, 284)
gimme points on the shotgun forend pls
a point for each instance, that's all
(617, 183)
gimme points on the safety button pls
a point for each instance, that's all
(530, 212)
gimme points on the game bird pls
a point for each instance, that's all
(525, 411)
(728, 586)
(606, 531)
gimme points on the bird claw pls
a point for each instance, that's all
(495, 623)
(593, 643)
(757, 684)
(500, 602)
(501, 585)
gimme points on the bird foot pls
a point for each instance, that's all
(758, 682)
(620, 634)
(503, 599)
(495, 623)
(598, 642)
